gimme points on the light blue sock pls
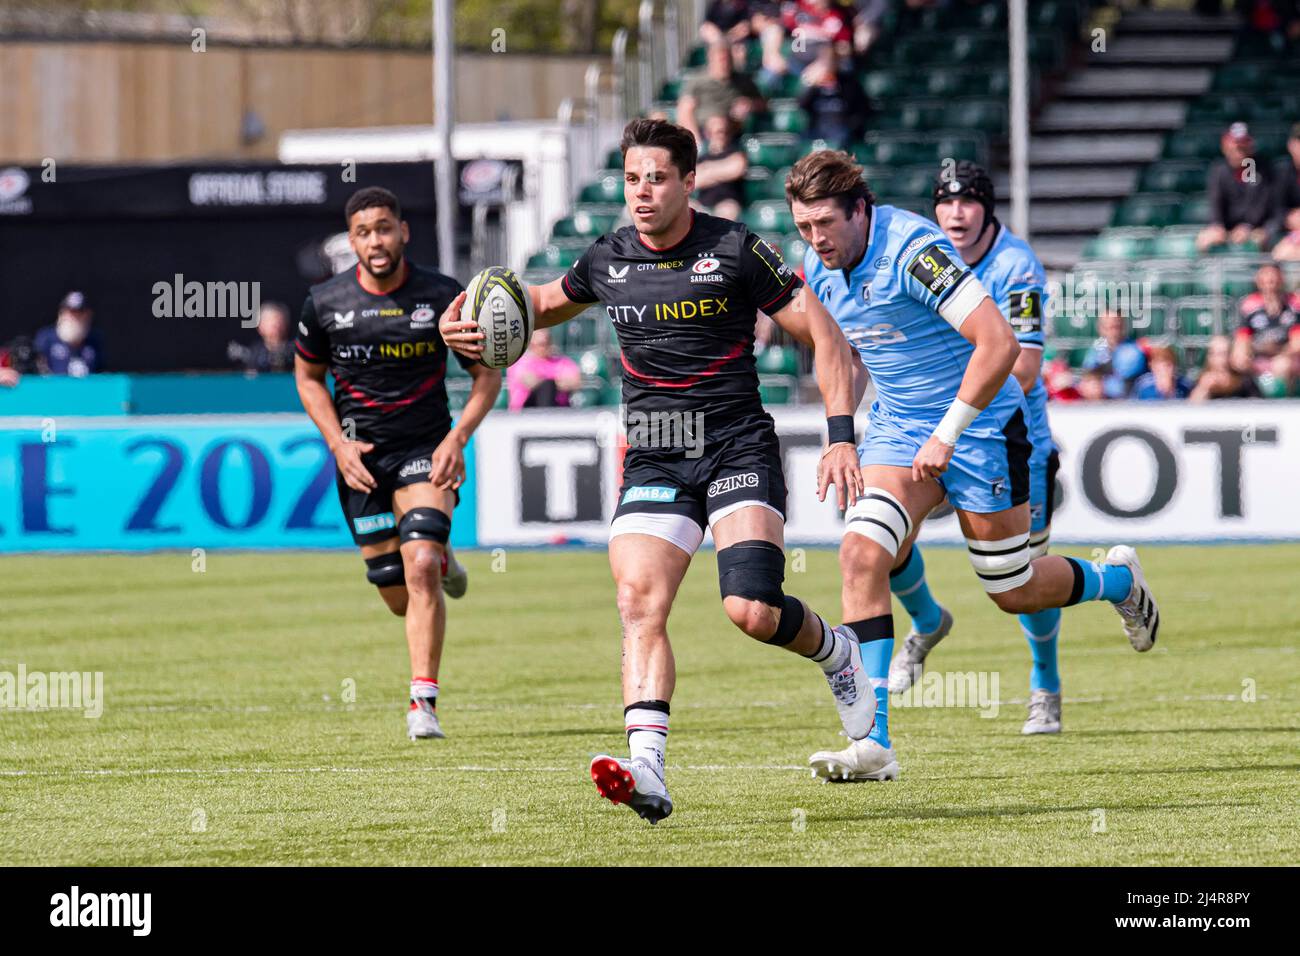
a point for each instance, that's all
(1100, 582)
(1041, 630)
(875, 659)
(908, 584)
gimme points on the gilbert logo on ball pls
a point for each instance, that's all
(497, 301)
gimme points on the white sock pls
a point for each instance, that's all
(833, 655)
(646, 723)
(423, 688)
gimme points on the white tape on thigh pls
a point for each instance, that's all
(676, 529)
(880, 516)
(1039, 543)
(1001, 565)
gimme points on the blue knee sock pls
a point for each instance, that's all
(876, 639)
(908, 584)
(1099, 582)
(1041, 630)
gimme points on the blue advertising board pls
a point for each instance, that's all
(144, 483)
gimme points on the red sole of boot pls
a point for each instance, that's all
(612, 781)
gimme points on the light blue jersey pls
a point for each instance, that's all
(1013, 276)
(888, 307)
(892, 307)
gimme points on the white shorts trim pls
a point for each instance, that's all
(673, 528)
(716, 516)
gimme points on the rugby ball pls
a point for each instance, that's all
(498, 301)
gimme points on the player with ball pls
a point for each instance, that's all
(683, 290)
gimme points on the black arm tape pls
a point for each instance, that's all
(839, 428)
(753, 570)
(386, 570)
(424, 524)
(791, 621)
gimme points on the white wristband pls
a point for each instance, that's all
(955, 420)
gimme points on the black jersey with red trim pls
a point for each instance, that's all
(388, 360)
(685, 315)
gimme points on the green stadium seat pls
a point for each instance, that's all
(558, 254)
(1176, 242)
(665, 108)
(1074, 326)
(1183, 176)
(914, 182)
(793, 248)
(776, 390)
(919, 115)
(899, 152)
(887, 84)
(778, 360)
(593, 363)
(614, 159)
(960, 146)
(759, 184)
(985, 115)
(786, 116)
(1197, 316)
(1270, 386)
(1182, 285)
(588, 219)
(939, 81)
(1244, 76)
(1046, 50)
(1051, 15)
(772, 150)
(607, 187)
(1254, 45)
(1195, 210)
(1194, 142)
(769, 217)
(698, 56)
(1121, 244)
(1148, 209)
(671, 90)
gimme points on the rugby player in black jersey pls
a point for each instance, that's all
(683, 290)
(399, 458)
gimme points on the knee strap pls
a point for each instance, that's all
(881, 517)
(386, 570)
(424, 524)
(1001, 565)
(753, 570)
(787, 628)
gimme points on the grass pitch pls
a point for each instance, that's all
(227, 738)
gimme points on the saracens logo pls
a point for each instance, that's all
(422, 316)
(705, 265)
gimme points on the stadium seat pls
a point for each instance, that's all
(786, 116)
(960, 146)
(792, 249)
(614, 159)
(558, 254)
(1182, 285)
(758, 184)
(769, 217)
(607, 187)
(1244, 76)
(1121, 244)
(1197, 316)
(593, 363)
(665, 108)
(671, 89)
(914, 182)
(588, 219)
(985, 115)
(778, 360)
(1176, 242)
(1195, 210)
(1183, 176)
(919, 115)
(772, 150)
(887, 84)
(1194, 142)
(698, 56)
(1148, 209)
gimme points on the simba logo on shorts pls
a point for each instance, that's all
(368, 523)
(733, 483)
(417, 466)
(649, 493)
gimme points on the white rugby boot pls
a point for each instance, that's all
(422, 721)
(860, 760)
(633, 782)
(1044, 713)
(851, 687)
(1139, 611)
(906, 667)
(455, 579)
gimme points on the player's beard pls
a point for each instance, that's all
(394, 263)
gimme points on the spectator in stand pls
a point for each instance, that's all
(1220, 378)
(1268, 333)
(1287, 220)
(1241, 195)
(729, 22)
(70, 346)
(275, 351)
(1115, 355)
(719, 92)
(720, 170)
(1059, 379)
(818, 24)
(543, 377)
(867, 18)
(836, 105)
(1092, 386)
(1163, 381)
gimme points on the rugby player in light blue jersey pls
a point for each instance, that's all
(948, 419)
(1014, 278)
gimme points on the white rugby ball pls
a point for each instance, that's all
(498, 301)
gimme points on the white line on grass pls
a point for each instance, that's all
(224, 771)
